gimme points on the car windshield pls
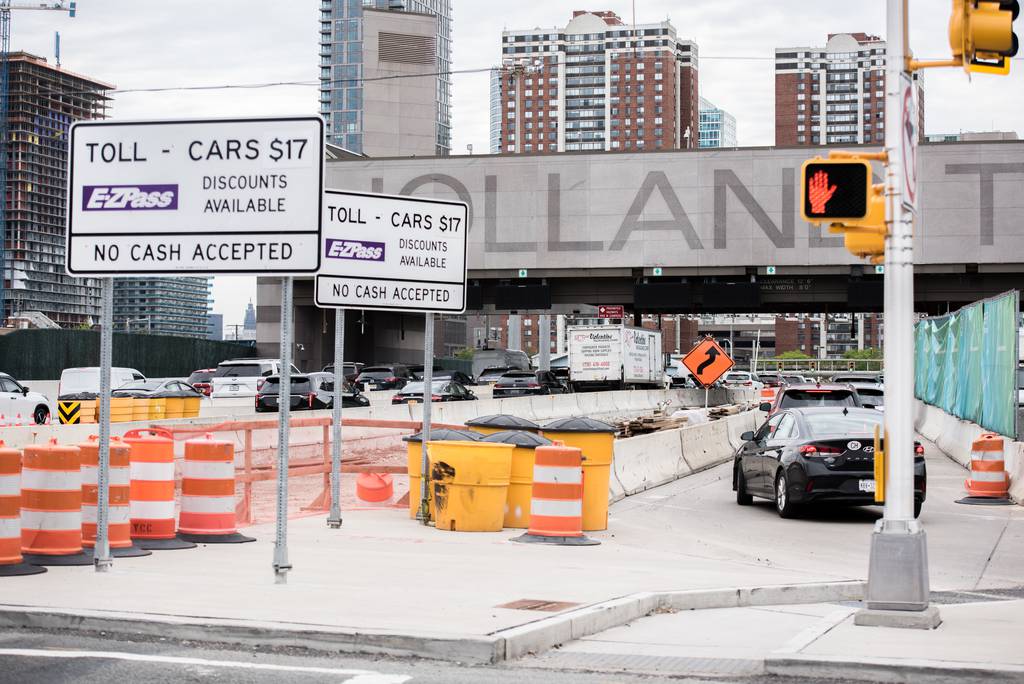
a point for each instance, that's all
(377, 372)
(871, 391)
(239, 370)
(493, 372)
(793, 379)
(417, 387)
(199, 376)
(839, 424)
(854, 378)
(818, 397)
(142, 385)
(300, 385)
(737, 377)
(518, 374)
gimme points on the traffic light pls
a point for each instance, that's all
(981, 34)
(866, 237)
(834, 190)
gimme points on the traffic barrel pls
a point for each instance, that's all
(989, 483)
(151, 499)
(597, 441)
(118, 485)
(520, 488)
(501, 422)
(51, 505)
(11, 563)
(556, 507)
(208, 493)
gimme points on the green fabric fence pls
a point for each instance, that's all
(966, 362)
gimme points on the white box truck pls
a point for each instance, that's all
(614, 357)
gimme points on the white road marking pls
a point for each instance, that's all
(353, 676)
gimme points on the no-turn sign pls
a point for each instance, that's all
(196, 197)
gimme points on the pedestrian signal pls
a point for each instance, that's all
(835, 190)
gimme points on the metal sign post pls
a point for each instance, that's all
(334, 516)
(284, 406)
(428, 379)
(101, 552)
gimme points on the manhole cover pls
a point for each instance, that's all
(537, 604)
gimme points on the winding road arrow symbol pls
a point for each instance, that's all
(712, 355)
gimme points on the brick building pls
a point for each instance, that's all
(844, 332)
(596, 84)
(833, 94)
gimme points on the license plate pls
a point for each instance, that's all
(867, 485)
(234, 388)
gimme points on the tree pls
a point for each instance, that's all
(793, 355)
(862, 356)
(466, 353)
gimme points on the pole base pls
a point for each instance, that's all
(555, 541)
(20, 570)
(985, 501)
(898, 569)
(132, 551)
(233, 538)
(172, 544)
(84, 557)
(928, 618)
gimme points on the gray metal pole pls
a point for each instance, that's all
(515, 332)
(428, 379)
(334, 517)
(284, 405)
(101, 552)
(544, 341)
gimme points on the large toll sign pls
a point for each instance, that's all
(392, 253)
(197, 197)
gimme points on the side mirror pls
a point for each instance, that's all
(24, 391)
(470, 392)
(766, 406)
(747, 436)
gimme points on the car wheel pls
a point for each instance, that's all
(41, 415)
(783, 503)
(742, 497)
(917, 508)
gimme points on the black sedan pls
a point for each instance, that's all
(517, 383)
(440, 390)
(308, 393)
(815, 455)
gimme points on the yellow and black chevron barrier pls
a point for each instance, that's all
(69, 412)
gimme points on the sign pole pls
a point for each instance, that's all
(334, 517)
(101, 552)
(284, 396)
(898, 569)
(428, 379)
(544, 342)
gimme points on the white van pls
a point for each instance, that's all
(79, 380)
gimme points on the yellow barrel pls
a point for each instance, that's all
(415, 454)
(121, 409)
(520, 488)
(470, 484)
(191, 407)
(140, 408)
(597, 441)
(89, 413)
(175, 407)
(157, 409)
(488, 425)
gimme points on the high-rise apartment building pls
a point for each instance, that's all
(385, 75)
(717, 126)
(43, 102)
(833, 94)
(163, 306)
(597, 84)
(828, 336)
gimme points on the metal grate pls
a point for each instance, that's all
(406, 48)
(537, 604)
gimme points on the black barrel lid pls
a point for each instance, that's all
(521, 438)
(445, 435)
(503, 420)
(578, 425)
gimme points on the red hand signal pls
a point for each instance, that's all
(819, 193)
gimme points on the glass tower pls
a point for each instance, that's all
(341, 66)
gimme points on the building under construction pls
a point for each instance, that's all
(43, 102)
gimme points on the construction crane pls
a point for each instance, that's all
(5, 48)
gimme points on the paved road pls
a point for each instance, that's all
(969, 547)
(51, 658)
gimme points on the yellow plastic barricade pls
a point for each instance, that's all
(520, 488)
(470, 484)
(415, 454)
(121, 409)
(140, 408)
(191, 407)
(175, 407)
(597, 440)
(488, 425)
(157, 408)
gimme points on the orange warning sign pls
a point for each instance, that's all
(707, 361)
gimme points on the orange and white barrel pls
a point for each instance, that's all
(989, 478)
(118, 524)
(208, 492)
(556, 503)
(10, 515)
(151, 500)
(51, 505)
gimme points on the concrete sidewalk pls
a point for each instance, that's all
(976, 642)
(385, 583)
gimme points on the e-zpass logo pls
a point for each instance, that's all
(359, 250)
(129, 197)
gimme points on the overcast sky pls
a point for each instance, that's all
(147, 44)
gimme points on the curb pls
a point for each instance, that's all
(531, 638)
(892, 670)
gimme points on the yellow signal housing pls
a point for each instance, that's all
(879, 468)
(866, 238)
(981, 34)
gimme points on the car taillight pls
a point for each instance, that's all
(310, 397)
(918, 449)
(391, 380)
(748, 383)
(533, 385)
(435, 397)
(396, 399)
(259, 384)
(819, 449)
